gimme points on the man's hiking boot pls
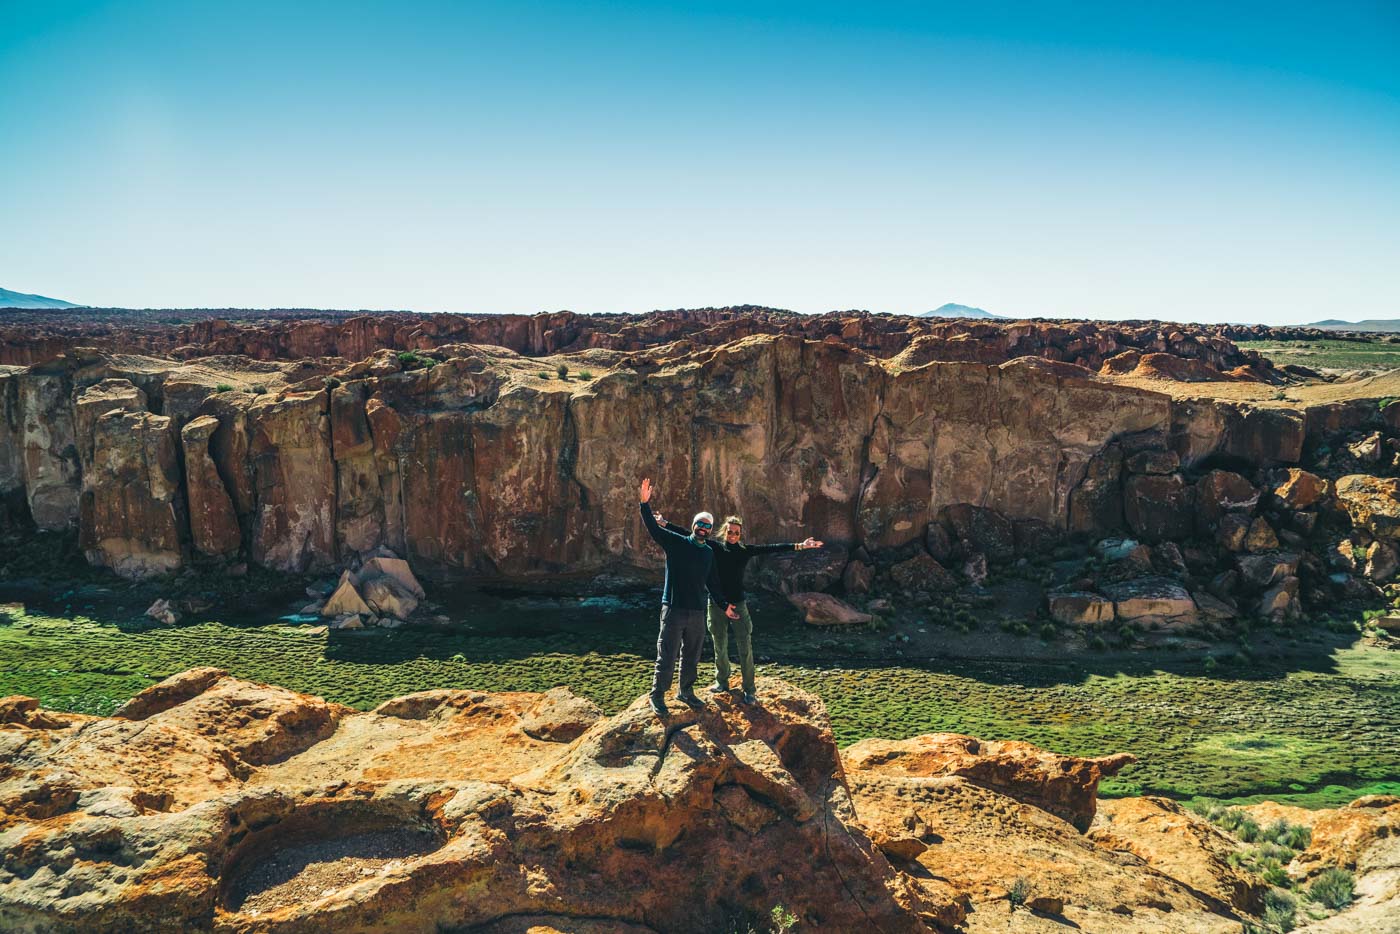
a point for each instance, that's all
(688, 698)
(718, 688)
(749, 698)
(658, 705)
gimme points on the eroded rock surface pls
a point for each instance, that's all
(213, 804)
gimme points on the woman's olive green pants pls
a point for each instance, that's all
(743, 641)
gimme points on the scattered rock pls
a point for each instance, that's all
(1281, 602)
(389, 597)
(1372, 502)
(922, 574)
(822, 609)
(986, 530)
(1300, 489)
(1260, 571)
(162, 612)
(345, 600)
(975, 568)
(1158, 507)
(1382, 560)
(1260, 537)
(857, 577)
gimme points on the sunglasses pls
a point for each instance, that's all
(703, 525)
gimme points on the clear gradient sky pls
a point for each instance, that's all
(1192, 161)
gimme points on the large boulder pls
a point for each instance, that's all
(1066, 786)
(1158, 507)
(388, 597)
(1152, 601)
(1280, 602)
(1372, 502)
(1172, 840)
(265, 808)
(1299, 489)
(1080, 608)
(1262, 571)
(821, 609)
(922, 575)
(1223, 491)
(984, 530)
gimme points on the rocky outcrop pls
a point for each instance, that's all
(971, 446)
(213, 521)
(212, 804)
(131, 509)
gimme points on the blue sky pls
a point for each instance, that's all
(1211, 162)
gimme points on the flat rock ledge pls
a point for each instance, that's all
(209, 803)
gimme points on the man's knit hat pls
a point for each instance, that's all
(708, 517)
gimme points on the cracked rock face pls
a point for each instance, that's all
(214, 804)
(863, 429)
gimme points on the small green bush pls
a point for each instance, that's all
(877, 624)
(1018, 893)
(1334, 888)
(412, 360)
(782, 920)
(332, 382)
(1048, 632)
(1097, 644)
(1271, 870)
(585, 374)
(223, 387)
(1289, 836)
(543, 374)
(1280, 910)
(563, 370)
(258, 389)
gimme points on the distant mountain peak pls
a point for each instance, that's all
(954, 310)
(10, 299)
(1370, 324)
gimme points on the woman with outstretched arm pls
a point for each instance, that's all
(731, 557)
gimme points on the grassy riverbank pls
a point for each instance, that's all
(1275, 728)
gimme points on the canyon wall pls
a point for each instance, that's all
(471, 462)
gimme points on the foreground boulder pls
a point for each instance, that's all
(219, 805)
(213, 804)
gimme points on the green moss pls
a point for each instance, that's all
(1257, 732)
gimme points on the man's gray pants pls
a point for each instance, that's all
(683, 633)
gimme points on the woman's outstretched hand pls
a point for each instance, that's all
(809, 543)
(646, 491)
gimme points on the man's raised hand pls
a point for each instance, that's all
(731, 612)
(646, 491)
(810, 543)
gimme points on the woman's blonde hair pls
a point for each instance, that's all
(728, 521)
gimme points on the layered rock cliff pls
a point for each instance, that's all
(469, 461)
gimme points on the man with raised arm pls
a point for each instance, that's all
(690, 571)
(732, 555)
